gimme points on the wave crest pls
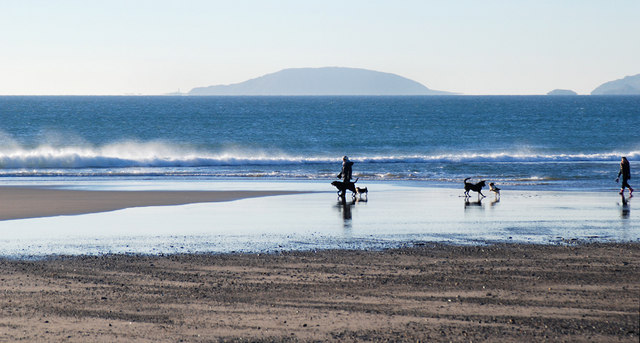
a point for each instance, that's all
(159, 154)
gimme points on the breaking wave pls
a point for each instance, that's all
(164, 155)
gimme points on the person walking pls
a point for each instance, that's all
(345, 174)
(346, 171)
(625, 171)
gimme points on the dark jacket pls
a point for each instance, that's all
(345, 173)
(625, 171)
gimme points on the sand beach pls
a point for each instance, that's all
(430, 293)
(407, 264)
(33, 202)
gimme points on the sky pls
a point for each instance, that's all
(491, 47)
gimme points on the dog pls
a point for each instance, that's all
(494, 189)
(476, 187)
(343, 187)
(362, 190)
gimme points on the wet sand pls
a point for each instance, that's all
(501, 293)
(31, 202)
(391, 216)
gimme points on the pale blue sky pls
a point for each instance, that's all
(471, 47)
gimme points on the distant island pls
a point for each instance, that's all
(630, 85)
(322, 81)
(562, 92)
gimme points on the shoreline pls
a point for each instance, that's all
(154, 221)
(434, 292)
(39, 202)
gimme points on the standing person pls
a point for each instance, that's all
(625, 171)
(346, 171)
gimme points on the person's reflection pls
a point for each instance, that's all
(625, 209)
(344, 206)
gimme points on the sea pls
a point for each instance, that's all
(521, 142)
(555, 158)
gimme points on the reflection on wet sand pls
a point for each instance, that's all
(473, 204)
(495, 201)
(396, 215)
(345, 207)
(625, 207)
(478, 203)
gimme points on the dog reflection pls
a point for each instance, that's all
(472, 204)
(494, 201)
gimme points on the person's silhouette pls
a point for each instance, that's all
(345, 174)
(625, 171)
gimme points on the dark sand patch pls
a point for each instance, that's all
(504, 293)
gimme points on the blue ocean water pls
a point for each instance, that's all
(523, 142)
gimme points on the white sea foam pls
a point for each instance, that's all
(165, 155)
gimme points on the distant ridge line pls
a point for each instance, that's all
(629, 85)
(323, 81)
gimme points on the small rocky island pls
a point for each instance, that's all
(562, 92)
(322, 81)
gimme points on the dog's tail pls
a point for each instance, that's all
(465, 180)
(356, 180)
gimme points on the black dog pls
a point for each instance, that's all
(343, 187)
(476, 187)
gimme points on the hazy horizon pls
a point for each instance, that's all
(159, 47)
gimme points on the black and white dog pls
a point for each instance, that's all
(362, 191)
(494, 189)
